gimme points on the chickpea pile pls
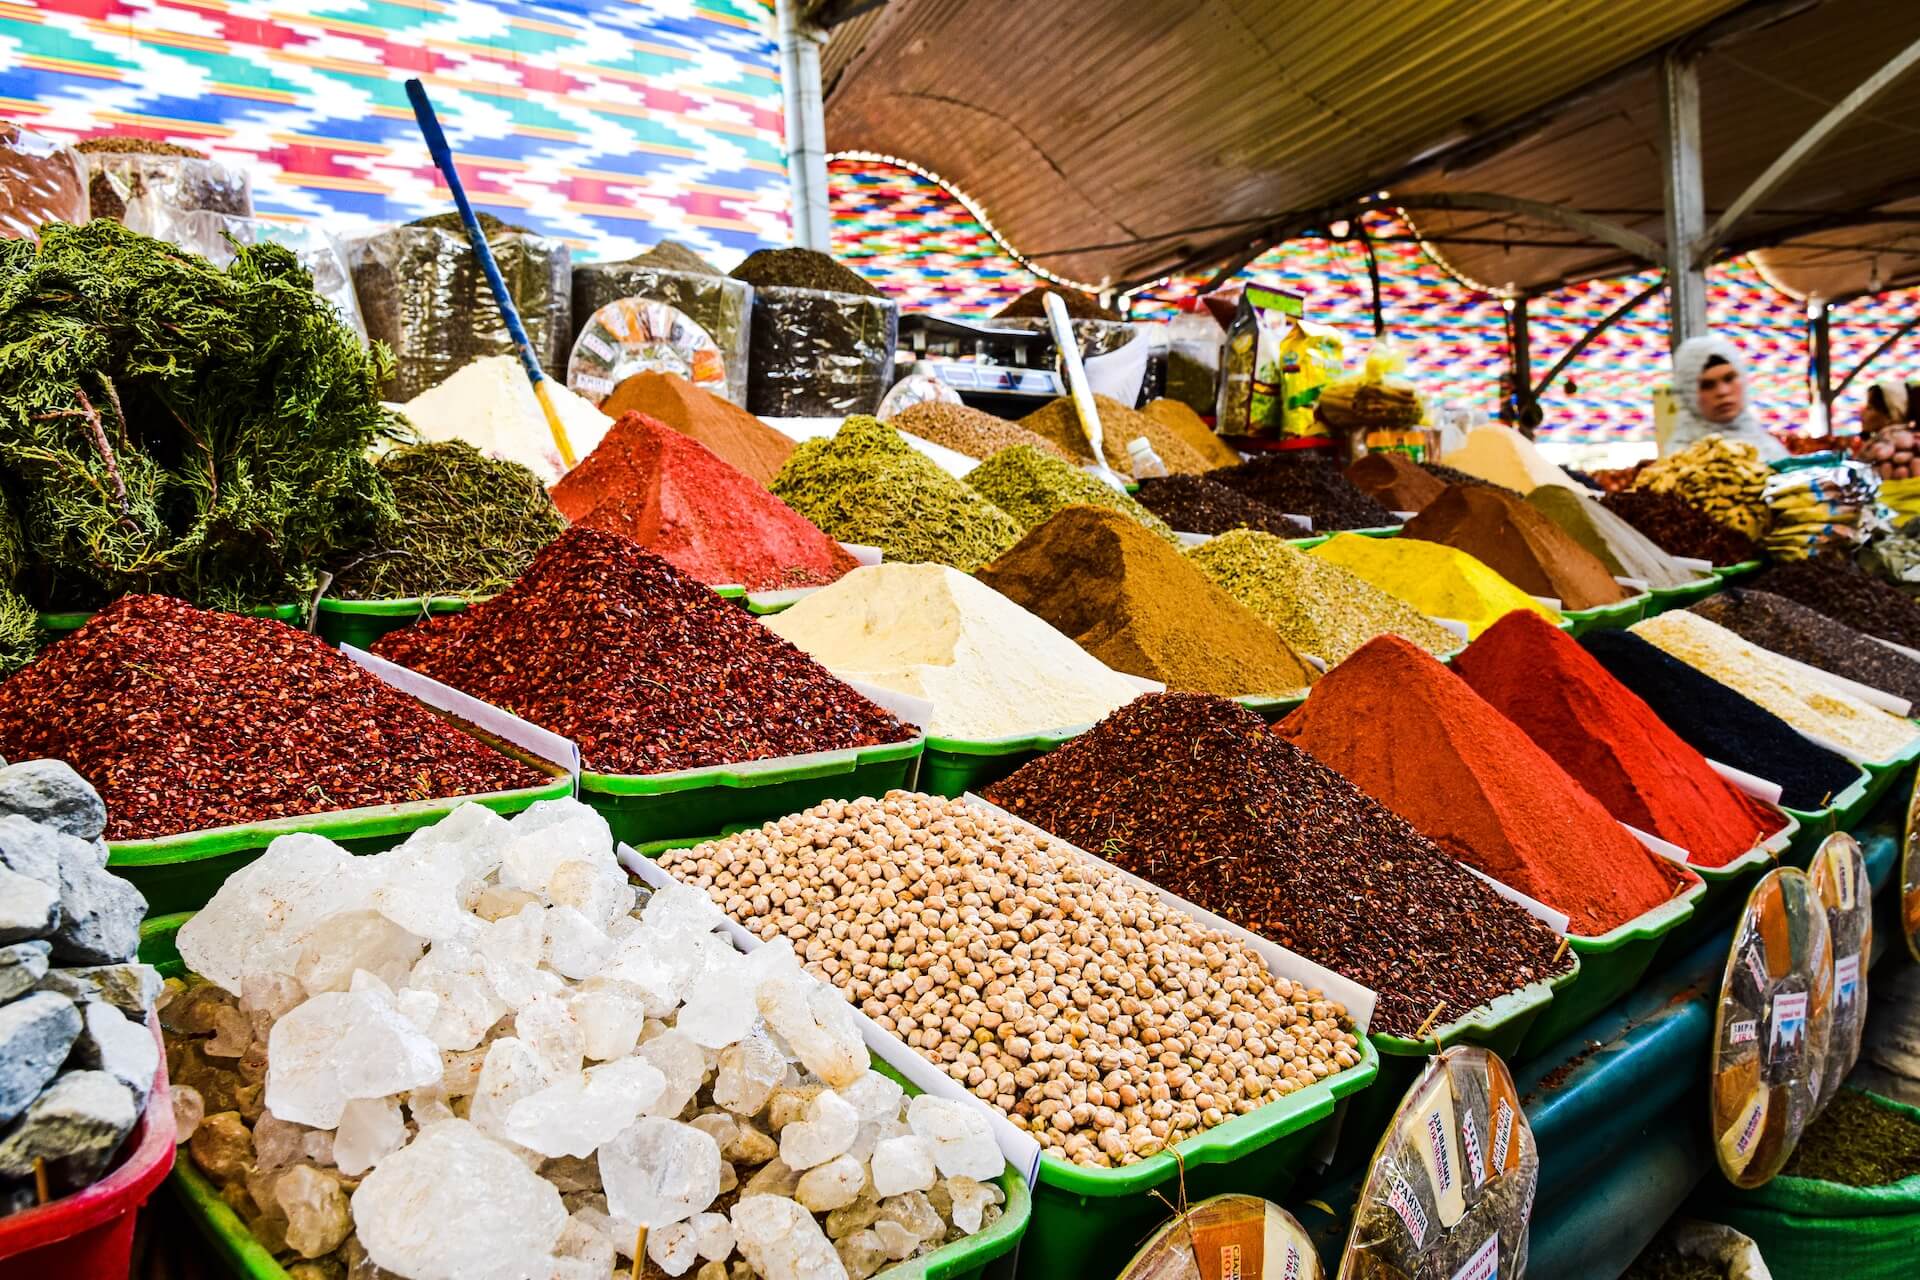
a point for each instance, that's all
(1106, 1023)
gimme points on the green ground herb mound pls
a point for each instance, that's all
(469, 525)
(169, 426)
(1662, 1261)
(1857, 1142)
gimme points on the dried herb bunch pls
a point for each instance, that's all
(170, 427)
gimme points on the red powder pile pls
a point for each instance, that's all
(1412, 735)
(706, 517)
(1612, 743)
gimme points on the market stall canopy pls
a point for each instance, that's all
(1112, 139)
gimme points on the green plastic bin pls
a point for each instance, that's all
(1731, 572)
(1666, 598)
(1378, 531)
(361, 622)
(1270, 707)
(1608, 617)
(645, 808)
(1610, 964)
(60, 624)
(1311, 541)
(954, 766)
(181, 872)
(1846, 811)
(1727, 889)
(1896, 771)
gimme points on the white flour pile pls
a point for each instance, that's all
(491, 405)
(989, 667)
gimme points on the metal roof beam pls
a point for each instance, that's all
(1586, 339)
(1875, 354)
(827, 14)
(1575, 220)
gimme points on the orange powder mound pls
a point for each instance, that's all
(721, 425)
(1415, 737)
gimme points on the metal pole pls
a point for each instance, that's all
(806, 115)
(1686, 198)
(1822, 325)
(1373, 275)
(1520, 355)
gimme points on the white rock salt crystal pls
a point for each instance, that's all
(548, 1027)
(315, 1208)
(875, 1097)
(418, 1007)
(585, 1238)
(817, 1023)
(832, 1185)
(673, 1248)
(902, 1164)
(456, 1205)
(610, 1020)
(575, 1115)
(781, 1240)
(370, 1129)
(749, 1073)
(512, 1071)
(971, 1200)
(342, 1045)
(547, 834)
(713, 1234)
(473, 833)
(683, 1068)
(257, 920)
(659, 1171)
(576, 947)
(497, 902)
(963, 1144)
(597, 888)
(424, 889)
(896, 1239)
(468, 1003)
(681, 909)
(510, 952)
(827, 1131)
(720, 1008)
(428, 1106)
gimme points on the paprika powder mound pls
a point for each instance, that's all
(678, 499)
(1415, 737)
(1519, 543)
(1133, 601)
(1610, 741)
(722, 426)
(1198, 795)
(646, 669)
(185, 719)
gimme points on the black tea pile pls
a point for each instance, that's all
(1306, 487)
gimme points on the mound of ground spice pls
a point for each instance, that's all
(964, 429)
(1059, 422)
(1519, 543)
(1415, 737)
(1610, 741)
(1860, 1140)
(1795, 631)
(1395, 481)
(1833, 587)
(1440, 582)
(1306, 487)
(186, 719)
(1195, 504)
(1198, 795)
(1180, 419)
(646, 669)
(1031, 486)
(720, 425)
(801, 269)
(1623, 549)
(1502, 456)
(1721, 724)
(712, 521)
(1680, 528)
(1133, 601)
(1454, 475)
(1033, 305)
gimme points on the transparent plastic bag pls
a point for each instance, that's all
(1194, 344)
(816, 354)
(206, 233)
(1830, 503)
(720, 305)
(145, 190)
(1263, 1241)
(41, 181)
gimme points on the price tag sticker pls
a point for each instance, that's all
(1484, 1264)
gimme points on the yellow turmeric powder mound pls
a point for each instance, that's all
(1437, 580)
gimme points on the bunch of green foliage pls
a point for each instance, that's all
(169, 426)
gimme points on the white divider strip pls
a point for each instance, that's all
(914, 710)
(504, 725)
(1550, 602)
(1671, 852)
(1557, 921)
(1702, 567)
(866, 555)
(1758, 788)
(1454, 625)
(1897, 648)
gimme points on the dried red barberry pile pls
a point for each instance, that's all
(186, 719)
(646, 669)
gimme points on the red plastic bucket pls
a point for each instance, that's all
(89, 1235)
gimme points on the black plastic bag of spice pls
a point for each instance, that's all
(815, 354)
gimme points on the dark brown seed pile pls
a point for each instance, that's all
(1306, 487)
(1836, 589)
(1662, 1261)
(643, 667)
(1198, 795)
(1192, 504)
(1454, 475)
(185, 719)
(1680, 528)
(1777, 623)
(800, 269)
(1033, 303)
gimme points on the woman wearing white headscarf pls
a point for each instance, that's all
(1710, 394)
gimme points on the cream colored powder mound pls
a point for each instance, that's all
(990, 668)
(1503, 456)
(491, 405)
(1764, 677)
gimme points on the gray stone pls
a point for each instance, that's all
(100, 913)
(130, 988)
(100, 852)
(51, 793)
(75, 1126)
(32, 850)
(21, 966)
(29, 908)
(36, 1031)
(111, 1042)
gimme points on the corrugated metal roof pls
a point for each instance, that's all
(1125, 123)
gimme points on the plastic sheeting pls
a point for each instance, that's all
(816, 354)
(721, 305)
(40, 181)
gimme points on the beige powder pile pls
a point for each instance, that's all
(491, 405)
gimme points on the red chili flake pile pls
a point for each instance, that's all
(184, 719)
(683, 502)
(647, 670)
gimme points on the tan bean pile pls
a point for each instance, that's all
(1106, 1023)
(974, 432)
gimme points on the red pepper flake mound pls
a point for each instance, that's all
(1199, 796)
(681, 501)
(1519, 543)
(1612, 743)
(1412, 735)
(184, 719)
(644, 668)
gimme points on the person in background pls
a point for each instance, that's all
(1710, 396)
(1890, 440)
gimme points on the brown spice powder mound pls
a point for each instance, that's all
(1180, 419)
(1130, 598)
(964, 429)
(1519, 543)
(722, 426)
(1396, 481)
(1059, 422)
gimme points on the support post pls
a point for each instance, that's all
(1520, 368)
(1821, 325)
(806, 118)
(1686, 197)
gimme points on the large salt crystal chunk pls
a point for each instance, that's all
(720, 1007)
(576, 947)
(963, 1145)
(548, 834)
(597, 888)
(713, 1235)
(339, 1046)
(833, 1185)
(749, 1073)
(510, 952)
(315, 1209)
(261, 914)
(902, 1164)
(817, 1023)
(781, 1240)
(971, 1200)
(673, 1248)
(424, 890)
(681, 909)
(683, 1067)
(583, 1110)
(653, 967)
(512, 1071)
(370, 1130)
(472, 833)
(610, 1020)
(828, 1130)
(659, 1171)
(455, 1205)
(469, 1005)
(548, 1027)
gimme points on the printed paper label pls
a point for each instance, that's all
(1745, 1031)
(1504, 1105)
(1757, 968)
(1402, 1200)
(1434, 1137)
(1470, 1147)
(1484, 1264)
(1789, 1022)
(1229, 1238)
(594, 343)
(1846, 980)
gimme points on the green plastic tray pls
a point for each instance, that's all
(1895, 771)
(1378, 531)
(181, 872)
(1665, 598)
(361, 622)
(952, 767)
(1310, 542)
(643, 808)
(59, 624)
(1846, 811)
(1728, 572)
(1270, 707)
(1610, 965)
(1727, 888)
(1608, 617)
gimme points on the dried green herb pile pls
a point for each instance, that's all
(800, 269)
(1858, 1141)
(1030, 486)
(169, 427)
(1662, 1261)
(468, 525)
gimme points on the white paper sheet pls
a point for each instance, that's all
(504, 725)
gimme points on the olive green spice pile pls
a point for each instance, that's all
(800, 269)
(121, 144)
(671, 255)
(1858, 1141)
(866, 485)
(1321, 608)
(490, 226)
(1030, 486)
(468, 525)
(1662, 1261)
